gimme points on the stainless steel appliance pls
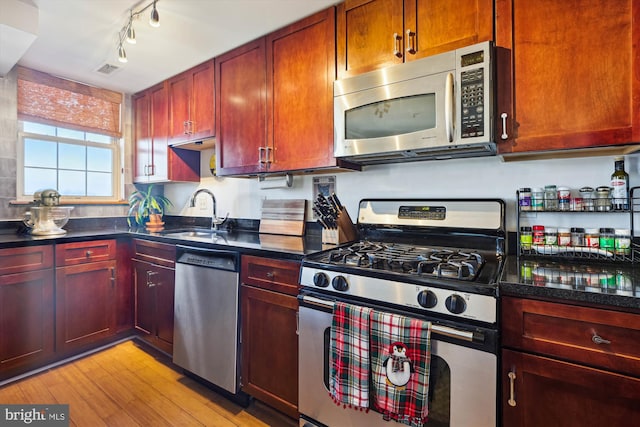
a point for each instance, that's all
(432, 108)
(432, 259)
(205, 335)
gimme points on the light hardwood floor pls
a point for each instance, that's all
(127, 386)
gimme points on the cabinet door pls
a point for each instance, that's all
(144, 296)
(179, 107)
(202, 115)
(270, 348)
(576, 72)
(164, 282)
(84, 304)
(369, 36)
(548, 392)
(26, 320)
(300, 126)
(241, 128)
(436, 26)
(141, 136)
(158, 103)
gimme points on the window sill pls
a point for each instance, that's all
(73, 203)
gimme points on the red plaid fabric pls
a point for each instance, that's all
(349, 379)
(407, 404)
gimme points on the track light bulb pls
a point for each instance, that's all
(122, 55)
(154, 21)
(131, 35)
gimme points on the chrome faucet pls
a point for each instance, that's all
(215, 221)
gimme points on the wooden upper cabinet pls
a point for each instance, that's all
(576, 73)
(191, 104)
(301, 71)
(377, 33)
(241, 85)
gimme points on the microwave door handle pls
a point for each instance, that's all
(449, 106)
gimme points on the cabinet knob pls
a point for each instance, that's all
(88, 254)
(271, 275)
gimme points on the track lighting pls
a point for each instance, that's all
(128, 33)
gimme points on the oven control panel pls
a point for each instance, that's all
(431, 299)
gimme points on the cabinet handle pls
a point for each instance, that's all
(185, 126)
(397, 47)
(146, 170)
(270, 275)
(269, 151)
(261, 155)
(152, 170)
(150, 283)
(512, 380)
(113, 277)
(504, 116)
(411, 42)
(297, 322)
(599, 340)
(88, 254)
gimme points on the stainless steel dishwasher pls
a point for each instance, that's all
(205, 334)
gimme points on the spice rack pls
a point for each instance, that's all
(615, 247)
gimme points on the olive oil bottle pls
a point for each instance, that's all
(619, 186)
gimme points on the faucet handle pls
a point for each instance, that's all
(219, 221)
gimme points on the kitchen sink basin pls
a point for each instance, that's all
(193, 232)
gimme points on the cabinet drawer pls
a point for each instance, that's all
(84, 252)
(268, 273)
(155, 252)
(30, 258)
(595, 337)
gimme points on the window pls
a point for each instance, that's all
(79, 164)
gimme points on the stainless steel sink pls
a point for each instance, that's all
(204, 233)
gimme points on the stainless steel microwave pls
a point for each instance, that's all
(437, 107)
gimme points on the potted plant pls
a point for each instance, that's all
(147, 208)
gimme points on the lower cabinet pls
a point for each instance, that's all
(566, 365)
(269, 331)
(26, 309)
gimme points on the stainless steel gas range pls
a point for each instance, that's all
(431, 259)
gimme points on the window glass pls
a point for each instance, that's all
(99, 159)
(71, 134)
(38, 153)
(40, 129)
(38, 179)
(72, 183)
(72, 156)
(98, 184)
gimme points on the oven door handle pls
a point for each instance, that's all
(438, 329)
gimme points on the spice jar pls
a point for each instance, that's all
(587, 198)
(524, 199)
(622, 241)
(526, 238)
(592, 238)
(564, 237)
(564, 198)
(538, 234)
(603, 202)
(550, 198)
(577, 236)
(607, 239)
(550, 236)
(537, 199)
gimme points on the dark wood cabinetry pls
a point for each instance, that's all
(575, 68)
(86, 283)
(569, 366)
(377, 33)
(26, 308)
(269, 331)
(154, 281)
(191, 104)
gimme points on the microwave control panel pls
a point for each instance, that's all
(473, 109)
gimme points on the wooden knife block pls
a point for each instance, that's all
(345, 232)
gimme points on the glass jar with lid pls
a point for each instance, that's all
(550, 198)
(587, 198)
(603, 199)
(577, 236)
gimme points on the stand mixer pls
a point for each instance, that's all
(46, 218)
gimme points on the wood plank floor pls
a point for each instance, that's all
(126, 385)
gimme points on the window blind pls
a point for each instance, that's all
(51, 100)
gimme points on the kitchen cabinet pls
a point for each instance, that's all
(269, 331)
(155, 161)
(154, 282)
(373, 34)
(266, 123)
(26, 308)
(573, 85)
(86, 282)
(569, 365)
(191, 104)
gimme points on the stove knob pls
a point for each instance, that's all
(321, 280)
(339, 283)
(455, 304)
(427, 299)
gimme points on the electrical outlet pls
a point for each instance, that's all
(202, 204)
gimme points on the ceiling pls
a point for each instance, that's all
(75, 38)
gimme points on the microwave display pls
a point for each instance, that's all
(391, 117)
(472, 58)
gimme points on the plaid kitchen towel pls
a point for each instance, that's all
(400, 359)
(349, 379)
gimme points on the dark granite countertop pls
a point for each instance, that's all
(615, 285)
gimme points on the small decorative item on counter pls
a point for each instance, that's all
(524, 199)
(577, 236)
(587, 198)
(538, 234)
(564, 237)
(526, 238)
(603, 202)
(607, 239)
(619, 186)
(564, 198)
(537, 199)
(622, 241)
(550, 236)
(550, 198)
(592, 238)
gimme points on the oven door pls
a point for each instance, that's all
(462, 382)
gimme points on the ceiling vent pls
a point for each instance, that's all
(107, 69)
